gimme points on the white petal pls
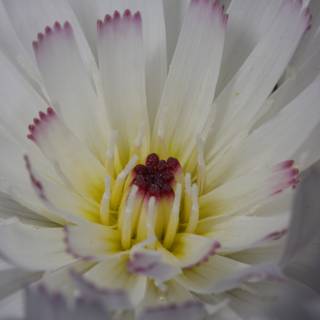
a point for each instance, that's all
(309, 151)
(14, 279)
(113, 299)
(64, 150)
(301, 258)
(297, 80)
(13, 306)
(193, 74)
(43, 13)
(169, 292)
(192, 310)
(245, 94)
(281, 137)
(150, 264)
(120, 52)
(61, 202)
(19, 99)
(114, 274)
(13, 48)
(245, 193)
(32, 247)
(240, 233)
(267, 253)
(252, 274)
(69, 85)
(310, 42)
(192, 249)
(207, 277)
(248, 22)
(92, 241)
(14, 177)
(154, 38)
(42, 304)
(10, 208)
(174, 14)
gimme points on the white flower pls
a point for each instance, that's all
(172, 187)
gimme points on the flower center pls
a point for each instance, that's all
(156, 177)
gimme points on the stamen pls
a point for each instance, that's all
(146, 225)
(104, 205)
(151, 218)
(109, 163)
(138, 141)
(194, 214)
(156, 177)
(117, 188)
(187, 198)
(201, 168)
(173, 218)
(127, 221)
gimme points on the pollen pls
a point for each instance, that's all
(156, 177)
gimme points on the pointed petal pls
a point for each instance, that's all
(190, 86)
(32, 247)
(69, 86)
(120, 52)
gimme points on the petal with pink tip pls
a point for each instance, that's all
(69, 85)
(120, 53)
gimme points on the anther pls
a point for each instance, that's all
(156, 177)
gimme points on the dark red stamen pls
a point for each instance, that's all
(173, 163)
(156, 177)
(152, 160)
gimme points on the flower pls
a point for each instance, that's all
(157, 190)
(294, 299)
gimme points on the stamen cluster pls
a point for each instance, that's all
(156, 177)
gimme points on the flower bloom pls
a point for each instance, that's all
(159, 189)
